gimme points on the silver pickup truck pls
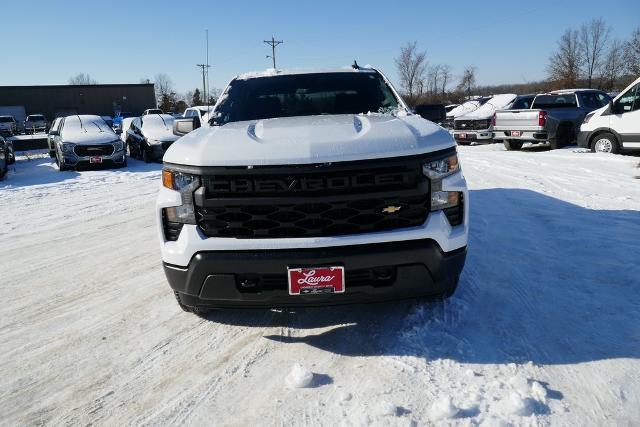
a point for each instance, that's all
(554, 117)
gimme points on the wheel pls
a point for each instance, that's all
(605, 143)
(61, 166)
(52, 153)
(145, 155)
(200, 312)
(512, 145)
(5, 168)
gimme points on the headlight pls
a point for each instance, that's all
(118, 145)
(186, 184)
(438, 169)
(67, 147)
(587, 117)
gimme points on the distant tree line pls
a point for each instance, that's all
(584, 57)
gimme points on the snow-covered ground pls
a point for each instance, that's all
(544, 329)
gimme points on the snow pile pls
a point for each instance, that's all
(299, 377)
(385, 409)
(443, 409)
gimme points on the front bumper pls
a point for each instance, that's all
(374, 272)
(473, 135)
(72, 160)
(583, 139)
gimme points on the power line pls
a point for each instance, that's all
(273, 43)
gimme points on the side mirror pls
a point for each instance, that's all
(54, 133)
(432, 112)
(182, 127)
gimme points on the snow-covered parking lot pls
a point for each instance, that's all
(544, 328)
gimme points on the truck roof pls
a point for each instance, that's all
(269, 72)
(565, 91)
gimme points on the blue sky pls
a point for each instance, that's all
(122, 42)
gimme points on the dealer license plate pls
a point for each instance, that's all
(95, 159)
(516, 133)
(462, 135)
(316, 280)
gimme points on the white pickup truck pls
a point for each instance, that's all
(311, 188)
(554, 117)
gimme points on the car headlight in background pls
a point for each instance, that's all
(587, 118)
(118, 145)
(439, 169)
(67, 147)
(185, 184)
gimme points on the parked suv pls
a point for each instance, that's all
(554, 117)
(8, 126)
(616, 126)
(148, 137)
(35, 123)
(83, 140)
(311, 188)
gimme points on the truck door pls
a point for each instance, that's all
(625, 117)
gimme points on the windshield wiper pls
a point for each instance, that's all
(161, 118)
(81, 125)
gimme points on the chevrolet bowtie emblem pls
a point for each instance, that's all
(391, 209)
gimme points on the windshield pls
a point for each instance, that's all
(84, 124)
(35, 117)
(555, 101)
(6, 119)
(522, 103)
(304, 95)
(157, 122)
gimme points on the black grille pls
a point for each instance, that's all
(314, 200)
(93, 150)
(472, 124)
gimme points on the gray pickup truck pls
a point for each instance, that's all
(554, 117)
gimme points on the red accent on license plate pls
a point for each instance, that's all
(316, 280)
(95, 159)
(516, 133)
(462, 135)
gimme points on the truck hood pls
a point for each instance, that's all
(487, 110)
(311, 139)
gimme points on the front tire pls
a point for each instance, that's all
(605, 143)
(146, 157)
(512, 145)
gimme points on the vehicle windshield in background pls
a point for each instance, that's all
(84, 124)
(157, 122)
(35, 117)
(555, 101)
(304, 95)
(522, 104)
(5, 119)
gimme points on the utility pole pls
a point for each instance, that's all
(204, 72)
(273, 43)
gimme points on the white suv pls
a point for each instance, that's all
(311, 188)
(616, 126)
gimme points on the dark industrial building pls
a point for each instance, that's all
(60, 100)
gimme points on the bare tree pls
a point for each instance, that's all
(433, 77)
(163, 88)
(412, 66)
(468, 80)
(594, 38)
(82, 79)
(445, 72)
(613, 66)
(632, 53)
(145, 80)
(564, 63)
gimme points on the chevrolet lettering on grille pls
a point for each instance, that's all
(290, 184)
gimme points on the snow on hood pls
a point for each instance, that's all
(158, 127)
(463, 109)
(312, 139)
(86, 129)
(486, 110)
